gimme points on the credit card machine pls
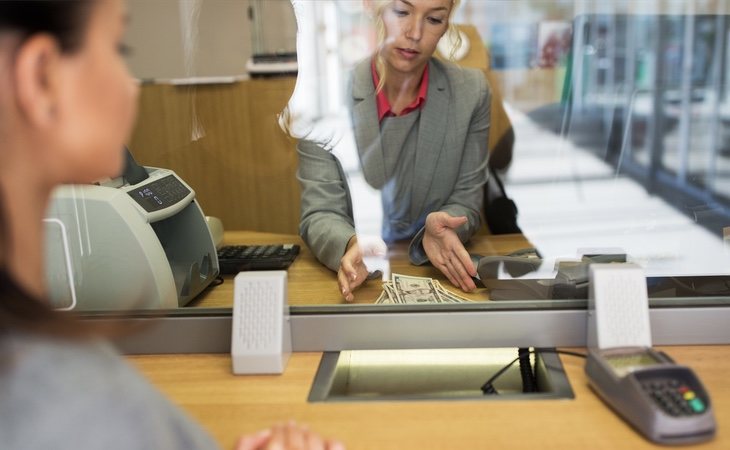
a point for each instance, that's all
(664, 401)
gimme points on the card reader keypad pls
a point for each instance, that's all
(674, 397)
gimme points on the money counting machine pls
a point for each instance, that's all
(124, 244)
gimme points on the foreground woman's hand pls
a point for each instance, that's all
(288, 436)
(445, 250)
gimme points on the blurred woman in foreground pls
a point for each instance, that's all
(67, 106)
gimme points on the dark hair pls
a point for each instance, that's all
(21, 311)
(65, 20)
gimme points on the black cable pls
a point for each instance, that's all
(563, 352)
(529, 380)
(488, 388)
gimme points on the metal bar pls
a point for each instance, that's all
(629, 78)
(656, 136)
(718, 61)
(685, 116)
(333, 332)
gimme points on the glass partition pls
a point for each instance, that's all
(609, 127)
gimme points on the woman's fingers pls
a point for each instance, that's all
(287, 436)
(352, 273)
(461, 264)
(344, 285)
(348, 265)
(452, 266)
(465, 280)
(254, 441)
(347, 274)
(466, 261)
(456, 222)
(448, 270)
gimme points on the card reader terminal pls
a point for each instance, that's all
(664, 401)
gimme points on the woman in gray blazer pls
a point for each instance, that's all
(421, 129)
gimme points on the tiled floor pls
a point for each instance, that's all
(569, 199)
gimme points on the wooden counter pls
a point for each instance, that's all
(229, 405)
(311, 283)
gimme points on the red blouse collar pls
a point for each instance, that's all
(384, 108)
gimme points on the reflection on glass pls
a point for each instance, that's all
(576, 197)
(639, 129)
(419, 127)
(619, 113)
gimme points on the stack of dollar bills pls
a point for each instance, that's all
(405, 289)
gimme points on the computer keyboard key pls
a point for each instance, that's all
(239, 258)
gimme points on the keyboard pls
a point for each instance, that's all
(240, 258)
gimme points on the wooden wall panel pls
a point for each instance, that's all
(223, 140)
(276, 188)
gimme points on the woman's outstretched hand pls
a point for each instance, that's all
(352, 272)
(445, 250)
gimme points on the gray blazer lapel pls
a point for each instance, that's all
(366, 126)
(435, 116)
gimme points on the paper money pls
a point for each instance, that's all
(415, 289)
(383, 299)
(390, 292)
(406, 289)
(448, 296)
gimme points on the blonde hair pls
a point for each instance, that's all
(379, 7)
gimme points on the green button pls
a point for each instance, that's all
(697, 405)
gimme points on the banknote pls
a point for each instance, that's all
(449, 296)
(414, 289)
(383, 298)
(390, 291)
(406, 289)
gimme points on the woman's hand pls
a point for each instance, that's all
(445, 250)
(287, 437)
(352, 272)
